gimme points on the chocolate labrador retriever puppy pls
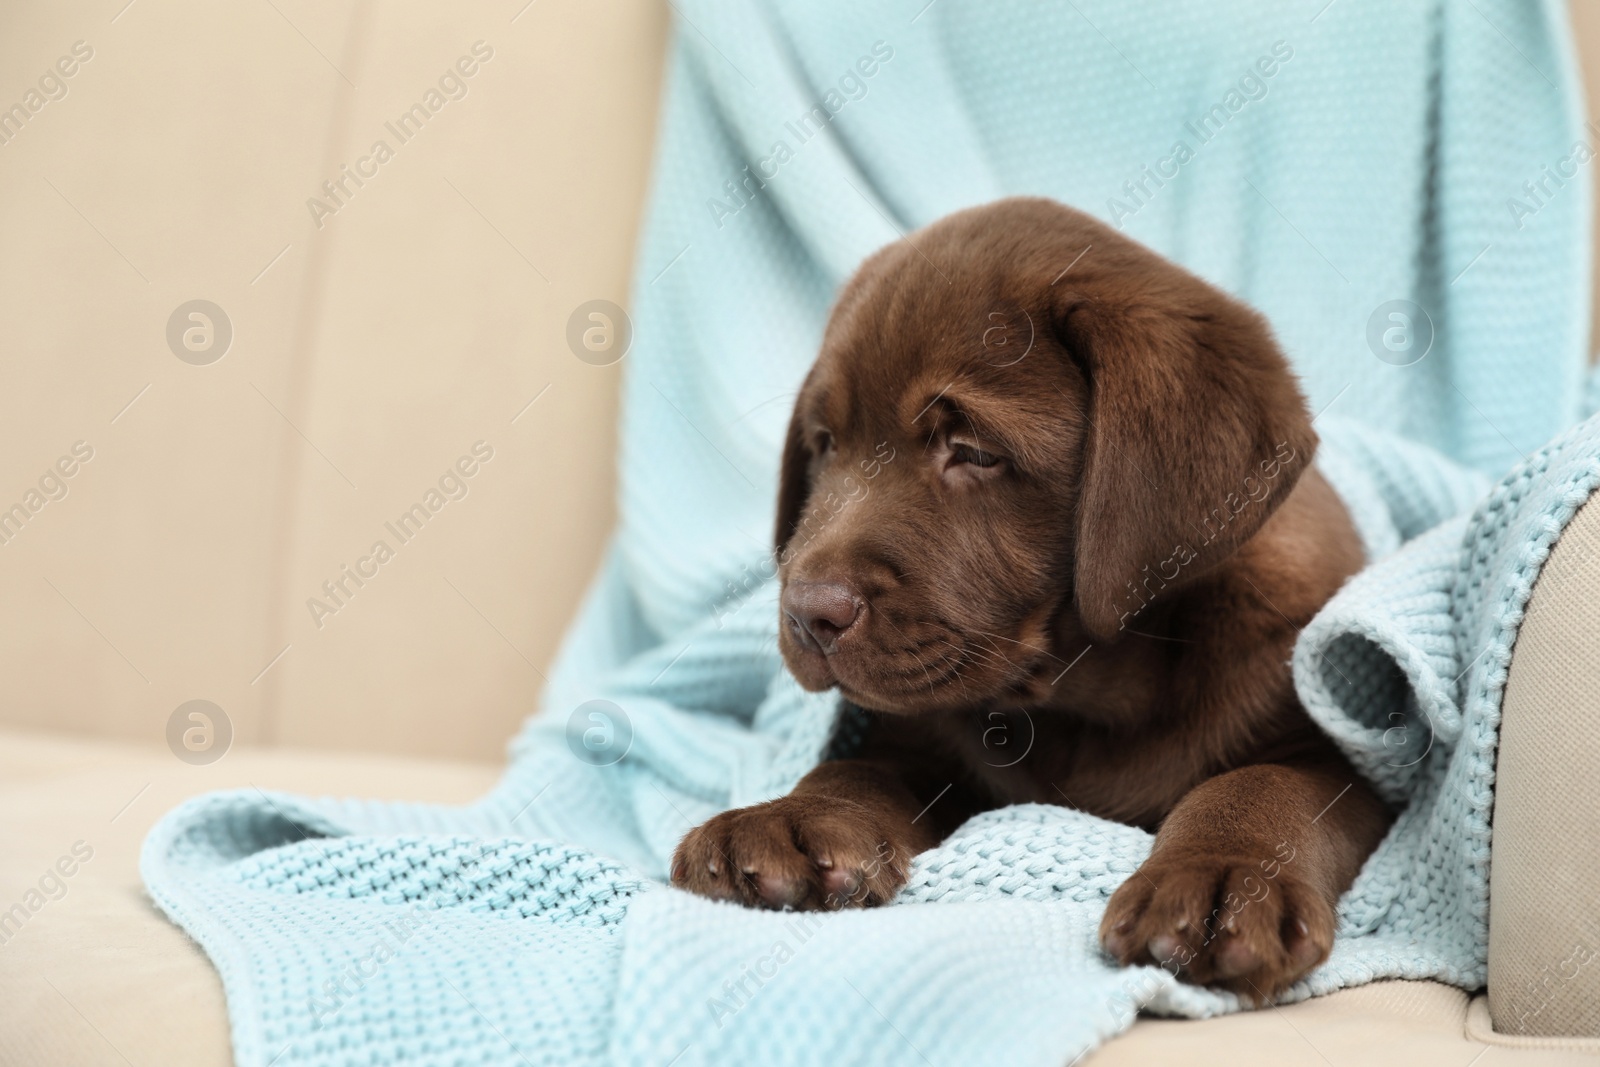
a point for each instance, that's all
(1047, 513)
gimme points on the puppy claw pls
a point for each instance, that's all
(780, 893)
(1303, 948)
(1164, 946)
(1233, 957)
(1117, 941)
(840, 885)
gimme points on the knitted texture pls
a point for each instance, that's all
(1375, 165)
(351, 931)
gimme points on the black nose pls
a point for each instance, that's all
(819, 613)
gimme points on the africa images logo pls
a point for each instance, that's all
(1251, 87)
(451, 85)
(743, 188)
(453, 484)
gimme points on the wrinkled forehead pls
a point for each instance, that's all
(996, 378)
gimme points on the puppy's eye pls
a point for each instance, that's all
(823, 442)
(977, 457)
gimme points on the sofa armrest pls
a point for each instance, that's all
(1544, 886)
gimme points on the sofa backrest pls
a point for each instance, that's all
(391, 212)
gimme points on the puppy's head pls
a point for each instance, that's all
(1022, 427)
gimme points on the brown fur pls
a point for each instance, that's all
(1103, 618)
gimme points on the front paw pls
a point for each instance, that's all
(805, 852)
(1251, 924)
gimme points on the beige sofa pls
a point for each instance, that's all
(371, 332)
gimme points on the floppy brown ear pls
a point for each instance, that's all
(794, 480)
(1197, 433)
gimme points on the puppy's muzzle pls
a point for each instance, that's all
(820, 613)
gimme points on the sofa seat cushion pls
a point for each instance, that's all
(96, 974)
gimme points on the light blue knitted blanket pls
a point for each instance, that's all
(1396, 152)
